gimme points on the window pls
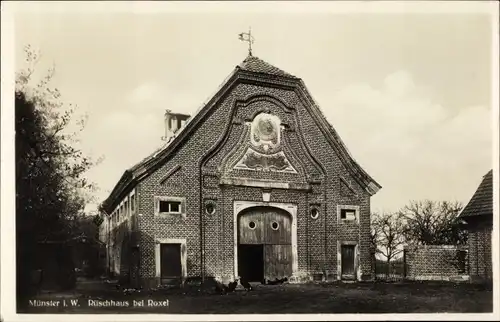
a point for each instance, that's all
(314, 213)
(275, 225)
(210, 208)
(251, 225)
(132, 203)
(348, 214)
(170, 205)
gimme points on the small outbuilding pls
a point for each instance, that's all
(478, 214)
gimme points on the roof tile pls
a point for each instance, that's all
(481, 202)
(257, 65)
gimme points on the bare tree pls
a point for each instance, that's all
(433, 223)
(387, 235)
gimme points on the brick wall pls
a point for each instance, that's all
(433, 262)
(218, 143)
(119, 252)
(480, 259)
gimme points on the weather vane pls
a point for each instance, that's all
(247, 36)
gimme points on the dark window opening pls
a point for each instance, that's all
(164, 206)
(348, 214)
(210, 209)
(251, 225)
(132, 203)
(175, 206)
(170, 206)
(274, 225)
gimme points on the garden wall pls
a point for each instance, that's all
(436, 262)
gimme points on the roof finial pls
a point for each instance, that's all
(247, 36)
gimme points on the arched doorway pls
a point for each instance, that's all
(264, 244)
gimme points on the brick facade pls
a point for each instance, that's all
(479, 242)
(202, 171)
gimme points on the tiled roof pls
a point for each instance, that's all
(251, 64)
(257, 65)
(481, 202)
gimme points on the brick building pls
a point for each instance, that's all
(257, 183)
(478, 214)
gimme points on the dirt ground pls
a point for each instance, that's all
(414, 297)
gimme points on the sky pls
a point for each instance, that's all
(408, 93)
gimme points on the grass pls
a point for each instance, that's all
(408, 297)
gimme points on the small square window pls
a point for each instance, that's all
(348, 214)
(170, 206)
(165, 206)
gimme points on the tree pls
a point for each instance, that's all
(51, 188)
(387, 235)
(433, 223)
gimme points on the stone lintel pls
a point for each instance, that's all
(268, 184)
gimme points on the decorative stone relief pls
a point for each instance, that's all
(266, 133)
(265, 152)
(253, 160)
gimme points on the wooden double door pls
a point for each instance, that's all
(264, 244)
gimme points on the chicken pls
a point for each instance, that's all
(278, 281)
(220, 287)
(232, 285)
(245, 284)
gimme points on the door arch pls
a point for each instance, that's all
(268, 230)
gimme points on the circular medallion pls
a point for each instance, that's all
(266, 131)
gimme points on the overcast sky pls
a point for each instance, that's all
(409, 94)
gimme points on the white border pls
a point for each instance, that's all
(7, 136)
(495, 85)
(7, 177)
(300, 7)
